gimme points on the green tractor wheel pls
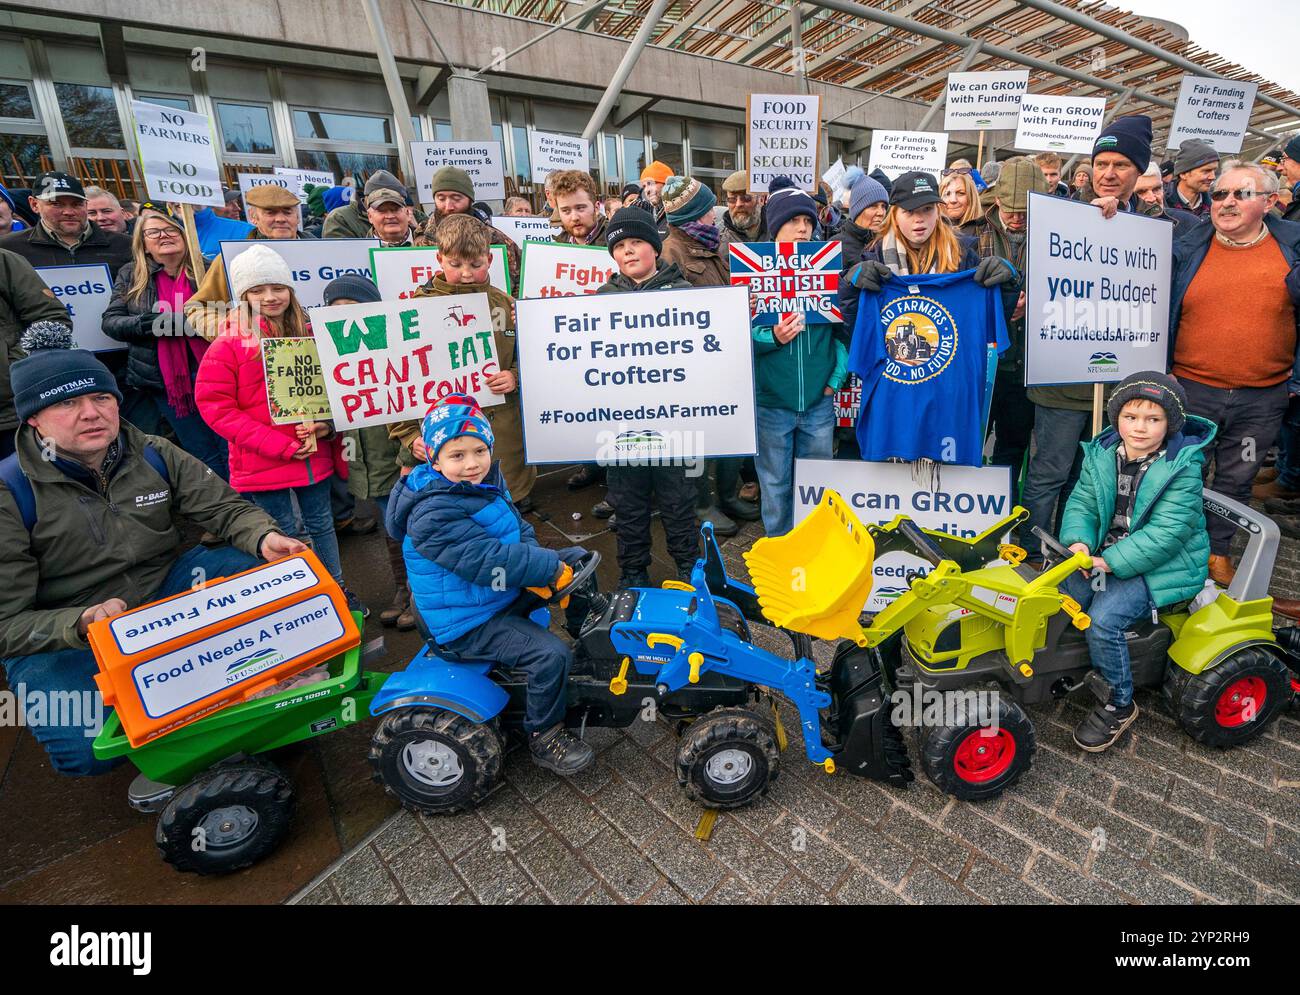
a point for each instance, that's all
(977, 754)
(1232, 702)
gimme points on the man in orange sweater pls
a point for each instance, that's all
(1233, 331)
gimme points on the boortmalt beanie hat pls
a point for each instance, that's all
(53, 371)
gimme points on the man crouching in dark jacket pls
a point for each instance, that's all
(86, 528)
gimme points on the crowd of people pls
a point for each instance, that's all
(103, 451)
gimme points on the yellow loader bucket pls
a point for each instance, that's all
(816, 578)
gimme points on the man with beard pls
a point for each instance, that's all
(575, 203)
(743, 219)
(453, 193)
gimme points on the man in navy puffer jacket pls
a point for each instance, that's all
(472, 561)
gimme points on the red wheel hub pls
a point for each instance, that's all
(984, 756)
(1241, 702)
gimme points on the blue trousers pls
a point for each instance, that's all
(1053, 468)
(1113, 610)
(317, 519)
(149, 409)
(55, 675)
(783, 437)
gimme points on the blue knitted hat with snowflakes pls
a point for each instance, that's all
(453, 416)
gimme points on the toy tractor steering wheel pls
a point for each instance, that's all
(583, 572)
(1057, 552)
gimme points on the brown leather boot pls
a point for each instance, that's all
(402, 596)
(1221, 569)
(406, 620)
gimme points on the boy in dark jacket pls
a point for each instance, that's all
(635, 244)
(1137, 512)
(470, 557)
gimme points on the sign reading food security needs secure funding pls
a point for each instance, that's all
(314, 262)
(177, 155)
(784, 133)
(85, 291)
(635, 377)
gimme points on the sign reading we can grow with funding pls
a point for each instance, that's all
(389, 361)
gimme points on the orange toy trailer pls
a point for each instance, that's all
(166, 664)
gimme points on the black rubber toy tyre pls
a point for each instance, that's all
(434, 761)
(728, 758)
(227, 818)
(963, 763)
(1209, 705)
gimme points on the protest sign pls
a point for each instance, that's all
(177, 155)
(1216, 111)
(548, 152)
(848, 403)
(1096, 294)
(390, 361)
(633, 377)
(249, 181)
(1059, 124)
(314, 262)
(298, 178)
(788, 277)
(560, 270)
(968, 501)
(295, 385)
(399, 270)
(898, 152)
(984, 101)
(482, 160)
(834, 177)
(85, 291)
(519, 230)
(784, 129)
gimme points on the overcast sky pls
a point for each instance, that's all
(1259, 35)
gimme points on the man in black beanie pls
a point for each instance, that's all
(1195, 167)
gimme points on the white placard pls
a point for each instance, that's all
(399, 271)
(520, 230)
(85, 291)
(390, 361)
(834, 176)
(621, 377)
(970, 500)
(482, 160)
(1059, 124)
(314, 262)
(1096, 294)
(250, 181)
(984, 101)
(171, 682)
(150, 626)
(899, 152)
(548, 152)
(552, 269)
(783, 139)
(177, 155)
(1216, 111)
(299, 178)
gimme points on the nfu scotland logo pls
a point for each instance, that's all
(639, 442)
(920, 339)
(1103, 362)
(255, 663)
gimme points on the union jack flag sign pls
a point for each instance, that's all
(782, 277)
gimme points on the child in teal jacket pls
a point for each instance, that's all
(1137, 512)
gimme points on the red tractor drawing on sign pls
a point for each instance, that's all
(456, 316)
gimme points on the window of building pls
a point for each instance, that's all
(16, 101)
(166, 100)
(246, 128)
(666, 134)
(348, 163)
(442, 131)
(335, 126)
(89, 116)
(31, 153)
(714, 152)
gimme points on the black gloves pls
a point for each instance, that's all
(871, 275)
(992, 272)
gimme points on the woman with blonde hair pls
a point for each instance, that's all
(961, 201)
(146, 312)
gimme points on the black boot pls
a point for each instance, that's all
(588, 474)
(634, 578)
(1103, 725)
(560, 751)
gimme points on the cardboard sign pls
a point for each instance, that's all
(984, 101)
(784, 132)
(314, 262)
(1059, 124)
(1096, 294)
(788, 277)
(482, 160)
(1216, 111)
(635, 377)
(551, 270)
(165, 664)
(390, 361)
(85, 291)
(177, 155)
(899, 152)
(295, 385)
(399, 276)
(548, 152)
(969, 501)
(520, 230)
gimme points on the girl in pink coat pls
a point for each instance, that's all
(270, 464)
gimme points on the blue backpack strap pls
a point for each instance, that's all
(155, 460)
(12, 476)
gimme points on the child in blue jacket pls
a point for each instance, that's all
(1137, 512)
(472, 561)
